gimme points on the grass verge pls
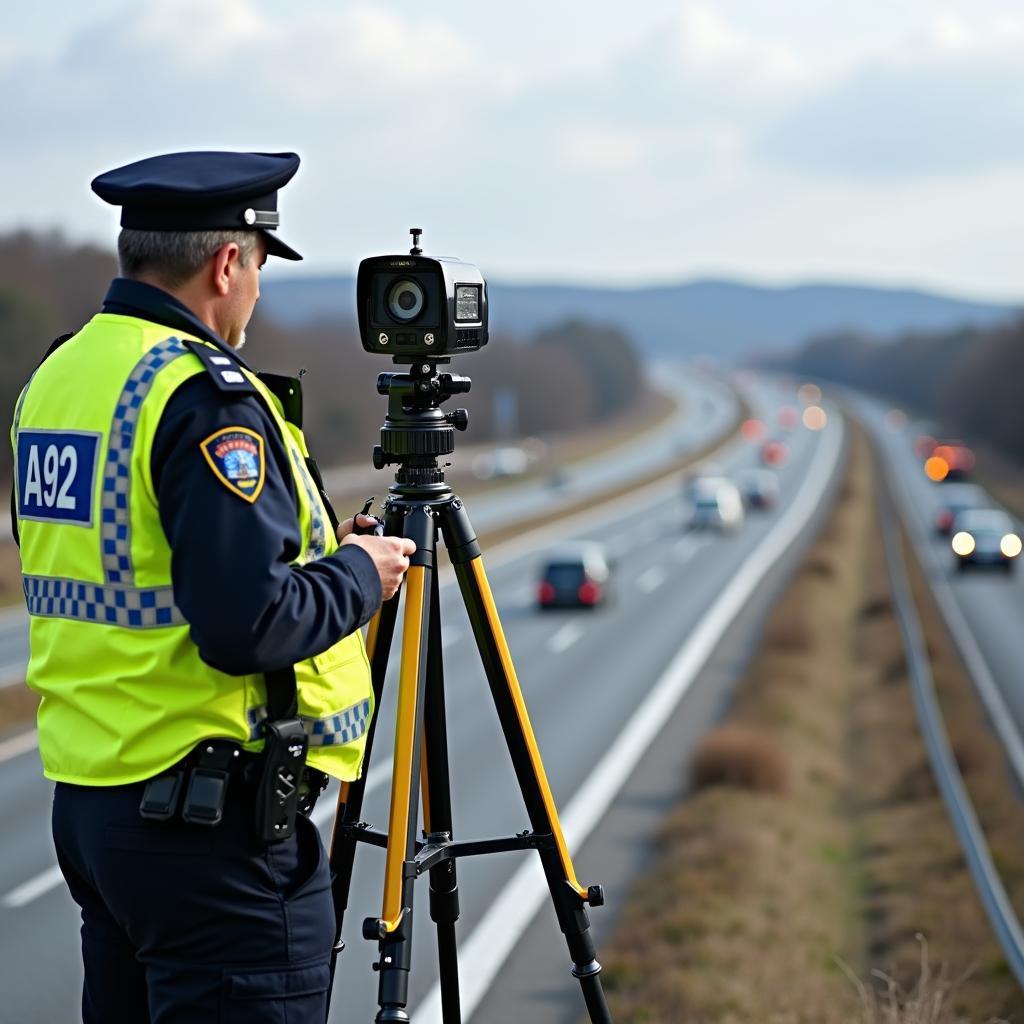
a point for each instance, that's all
(813, 848)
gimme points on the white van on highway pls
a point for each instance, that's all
(715, 504)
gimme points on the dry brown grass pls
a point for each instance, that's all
(18, 705)
(761, 892)
(931, 999)
(755, 893)
(739, 756)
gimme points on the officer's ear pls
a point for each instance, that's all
(226, 264)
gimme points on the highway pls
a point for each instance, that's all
(599, 684)
(987, 605)
(706, 408)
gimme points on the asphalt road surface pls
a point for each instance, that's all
(609, 691)
(706, 409)
(985, 605)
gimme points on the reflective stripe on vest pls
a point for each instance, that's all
(344, 727)
(317, 530)
(115, 531)
(112, 605)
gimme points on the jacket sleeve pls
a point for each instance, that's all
(248, 608)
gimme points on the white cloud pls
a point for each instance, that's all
(601, 148)
(228, 67)
(945, 101)
(709, 134)
(708, 45)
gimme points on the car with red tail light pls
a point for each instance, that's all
(576, 576)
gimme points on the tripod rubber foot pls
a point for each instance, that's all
(392, 1015)
(374, 930)
(595, 895)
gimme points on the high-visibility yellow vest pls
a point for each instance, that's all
(124, 691)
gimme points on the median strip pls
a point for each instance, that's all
(813, 849)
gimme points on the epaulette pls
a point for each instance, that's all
(226, 372)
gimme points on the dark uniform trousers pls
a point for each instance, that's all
(183, 924)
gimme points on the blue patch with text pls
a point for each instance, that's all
(56, 474)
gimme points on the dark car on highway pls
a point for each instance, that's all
(759, 488)
(574, 577)
(985, 537)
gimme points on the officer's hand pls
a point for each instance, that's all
(345, 528)
(390, 555)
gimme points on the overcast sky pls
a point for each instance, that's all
(857, 140)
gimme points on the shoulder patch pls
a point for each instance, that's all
(225, 371)
(236, 456)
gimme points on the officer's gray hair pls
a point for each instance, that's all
(174, 257)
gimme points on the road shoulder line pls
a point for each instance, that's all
(492, 940)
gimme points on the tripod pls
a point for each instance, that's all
(420, 504)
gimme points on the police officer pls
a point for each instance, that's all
(191, 604)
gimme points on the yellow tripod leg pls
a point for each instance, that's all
(402, 782)
(476, 567)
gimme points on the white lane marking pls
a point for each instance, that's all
(685, 548)
(18, 745)
(564, 638)
(649, 581)
(492, 940)
(34, 888)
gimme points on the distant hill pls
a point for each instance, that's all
(716, 318)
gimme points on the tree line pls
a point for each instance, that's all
(560, 379)
(969, 379)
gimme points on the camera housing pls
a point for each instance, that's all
(414, 307)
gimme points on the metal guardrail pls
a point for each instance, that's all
(975, 847)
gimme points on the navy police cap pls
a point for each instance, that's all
(202, 191)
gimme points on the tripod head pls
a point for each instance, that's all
(416, 432)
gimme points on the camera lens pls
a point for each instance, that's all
(405, 300)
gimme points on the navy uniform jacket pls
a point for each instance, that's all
(249, 609)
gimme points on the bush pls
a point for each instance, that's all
(742, 757)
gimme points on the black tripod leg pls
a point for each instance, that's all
(567, 895)
(379, 637)
(393, 929)
(437, 819)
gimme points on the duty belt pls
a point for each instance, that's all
(195, 789)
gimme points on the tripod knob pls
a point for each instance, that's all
(458, 418)
(374, 930)
(595, 895)
(379, 458)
